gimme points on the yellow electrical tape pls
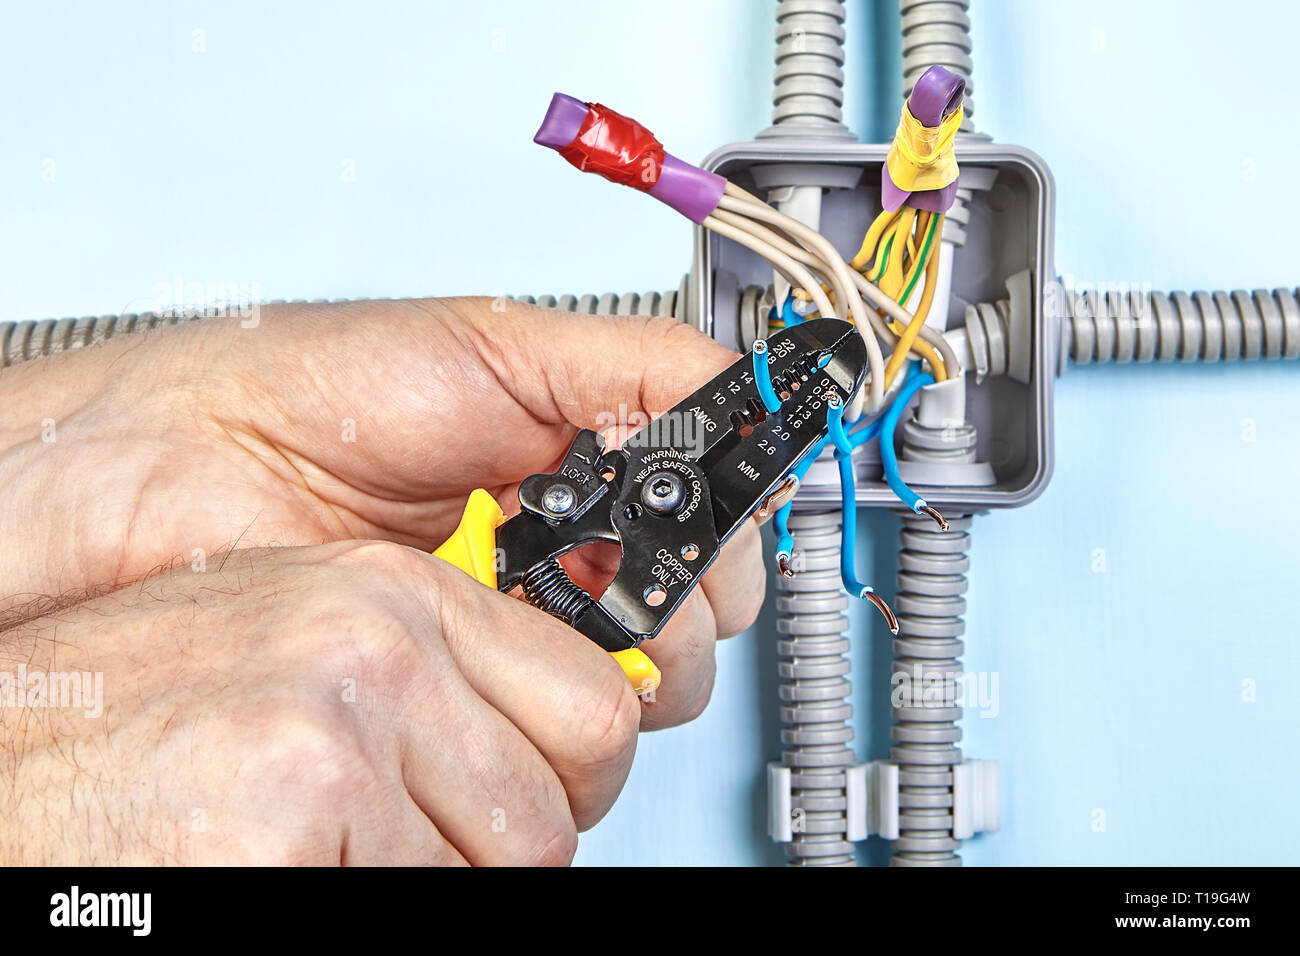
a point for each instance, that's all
(922, 157)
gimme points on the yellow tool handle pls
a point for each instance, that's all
(472, 548)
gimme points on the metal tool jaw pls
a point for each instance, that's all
(675, 491)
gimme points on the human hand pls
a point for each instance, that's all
(356, 702)
(334, 422)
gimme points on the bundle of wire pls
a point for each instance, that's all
(818, 274)
(896, 265)
(845, 442)
(899, 256)
(899, 259)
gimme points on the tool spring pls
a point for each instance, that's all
(548, 587)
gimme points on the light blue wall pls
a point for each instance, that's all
(1169, 128)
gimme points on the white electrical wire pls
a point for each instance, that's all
(794, 270)
(877, 298)
(931, 336)
(739, 208)
(873, 398)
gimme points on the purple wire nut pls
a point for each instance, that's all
(564, 118)
(691, 191)
(937, 93)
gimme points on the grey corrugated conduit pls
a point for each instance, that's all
(24, 341)
(671, 303)
(937, 33)
(1181, 326)
(814, 692)
(1097, 328)
(932, 565)
(956, 219)
(810, 606)
(35, 338)
(809, 74)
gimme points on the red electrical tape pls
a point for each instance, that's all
(616, 147)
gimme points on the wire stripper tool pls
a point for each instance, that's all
(670, 497)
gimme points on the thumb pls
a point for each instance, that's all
(578, 369)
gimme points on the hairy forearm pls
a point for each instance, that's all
(97, 448)
(83, 699)
(148, 451)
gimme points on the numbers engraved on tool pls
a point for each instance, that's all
(813, 402)
(733, 387)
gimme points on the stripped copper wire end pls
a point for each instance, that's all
(939, 519)
(783, 562)
(890, 620)
(778, 499)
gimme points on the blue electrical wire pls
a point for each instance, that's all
(861, 434)
(849, 519)
(763, 378)
(845, 443)
(882, 427)
(864, 432)
(788, 315)
(784, 539)
(889, 458)
(848, 499)
(780, 521)
(915, 381)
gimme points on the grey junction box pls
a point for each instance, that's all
(1009, 231)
